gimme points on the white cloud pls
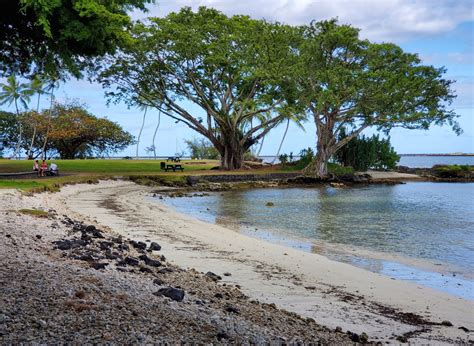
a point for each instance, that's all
(381, 20)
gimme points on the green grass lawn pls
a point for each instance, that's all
(106, 166)
(77, 171)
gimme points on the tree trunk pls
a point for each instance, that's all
(282, 140)
(154, 134)
(30, 151)
(325, 148)
(141, 129)
(232, 157)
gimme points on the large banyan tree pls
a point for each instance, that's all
(346, 82)
(235, 69)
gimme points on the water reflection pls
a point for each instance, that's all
(430, 221)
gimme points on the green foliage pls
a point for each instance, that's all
(363, 153)
(453, 171)
(34, 212)
(59, 36)
(72, 132)
(283, 158)
(202, 149)
(236, 69)
(349, 82)
(339, 170)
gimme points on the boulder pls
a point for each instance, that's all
(213, 276)
(175, 294)
(154, 247)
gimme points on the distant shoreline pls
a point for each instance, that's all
(436, 154)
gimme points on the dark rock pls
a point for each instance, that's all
(149, 261)
(446, 323)
(117, 240)
(304, 180)
(104, 245)
(138, 244)
(353, 336)
(464, 329)
(78, 227)
(364, 338)
(222, 335)
(39, 236)
(132, 261)
(213, 276)
(112, 255)
(85, 257)
(67, 244)
(218, 295)
(158, 282)
(232, 309)
(90, 229)
(402, 338)
(227, 274)
(145, 270)
(98, 265)
(154, 247)
(67, 221)
(123, 247)
(175, 294)
(153, 263)
(165, 270)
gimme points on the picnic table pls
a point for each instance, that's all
(171, 167)
(174, 159)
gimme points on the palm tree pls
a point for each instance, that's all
(145, 108)
(17, 93)
(154, 134)
(298, 121)
(36, 87)
(51, 85)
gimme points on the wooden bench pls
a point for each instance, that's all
(174, 159)
(174, 168)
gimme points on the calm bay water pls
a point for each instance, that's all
(430, 161)
(420, 231)
(414, 161)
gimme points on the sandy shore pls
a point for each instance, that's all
(65, 281)
(334, 294)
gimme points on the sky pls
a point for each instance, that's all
(441, 32)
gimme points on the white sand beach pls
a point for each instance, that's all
(332, 293)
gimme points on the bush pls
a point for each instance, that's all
(202, 149)
(363, 153)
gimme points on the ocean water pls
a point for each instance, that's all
(430, 161)
(414, 161)
(420, 231)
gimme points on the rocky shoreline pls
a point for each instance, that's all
(62, 280)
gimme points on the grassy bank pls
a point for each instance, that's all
(89, 171)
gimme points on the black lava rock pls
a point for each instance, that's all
(154, 247)
(67, 244)
(213, 276)
(158, 282)
(175, 294)
(232, 309)
(104, 245)
(98, 265)
(132, 261)
(138, 245)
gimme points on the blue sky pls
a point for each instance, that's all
(440, 31)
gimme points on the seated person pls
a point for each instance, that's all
(43, 168)
(53, 169)
(36, 166)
